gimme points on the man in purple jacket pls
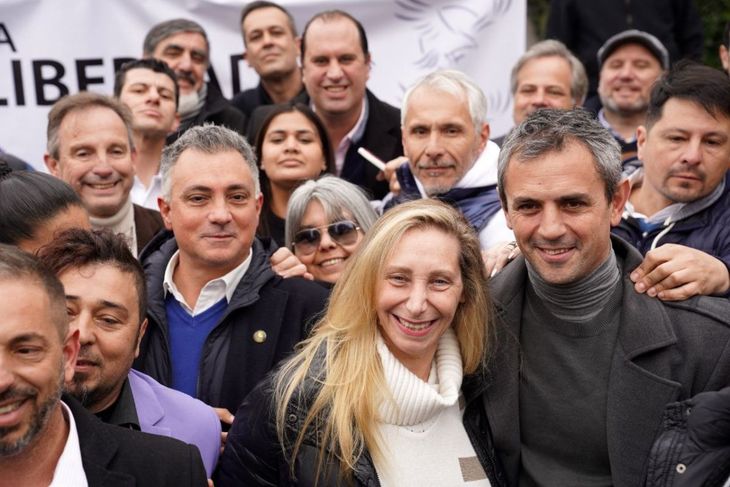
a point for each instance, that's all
(106, 301)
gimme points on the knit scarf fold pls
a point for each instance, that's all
(415, 401)
(121, 222)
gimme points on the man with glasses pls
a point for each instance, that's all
(219, 317)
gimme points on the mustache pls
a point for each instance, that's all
(18, 393)
(87, 356)
(186, 75)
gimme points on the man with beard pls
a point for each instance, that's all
(148, 87)
(678, 213)
(183, 45)
(631, 61)
(48, 441)
(106, 302)
(449, 156)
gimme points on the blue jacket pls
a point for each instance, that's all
(708, 230)
(167, 412)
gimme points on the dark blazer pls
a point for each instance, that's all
(146, 225)
(382, 137)
(664, 352)
(118, 457)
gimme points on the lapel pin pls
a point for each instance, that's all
(259, 336)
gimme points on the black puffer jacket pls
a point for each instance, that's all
(693, 448)
(253, 454)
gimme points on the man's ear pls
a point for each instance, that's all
(52, 165)
(725, 58)
(483, 136)
(620, 197)
(70, 353)
(142, 330)
(641, 134)
(164, 212)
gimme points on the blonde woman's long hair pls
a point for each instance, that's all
(350, 385)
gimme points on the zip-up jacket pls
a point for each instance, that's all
(266, 317)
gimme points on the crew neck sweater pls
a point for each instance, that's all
(421, 428)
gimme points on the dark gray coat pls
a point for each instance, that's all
(664, 352)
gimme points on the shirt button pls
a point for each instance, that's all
(681, 468)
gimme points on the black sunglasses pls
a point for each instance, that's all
(344, 233)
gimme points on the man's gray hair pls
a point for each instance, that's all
(208, 139)
(163, 30)
(339, 199)
(455, 83)
(551, 47)
(550, 130)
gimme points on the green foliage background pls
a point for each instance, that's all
(714, 13)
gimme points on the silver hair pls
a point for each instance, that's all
(163, 30)
(209, 139)
(339, 199)
(551, 47)
(455, 83)
(551, 130)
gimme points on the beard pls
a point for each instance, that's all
(38, 421)
(627, 110)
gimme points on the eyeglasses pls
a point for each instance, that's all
(344, 233)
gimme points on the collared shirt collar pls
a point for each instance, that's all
(70, 468)
(123, 411)
(352, 137)
(147, 195)
(213, 291)
(602, 120)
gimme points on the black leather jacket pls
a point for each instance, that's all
(253, 453)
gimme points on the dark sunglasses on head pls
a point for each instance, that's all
(344, 233)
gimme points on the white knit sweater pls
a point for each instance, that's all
(426, 443)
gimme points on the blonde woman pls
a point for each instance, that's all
(373, 397)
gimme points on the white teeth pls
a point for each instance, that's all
(415, 326)
(103, 186)
(555, 251)
(329, 262)
(10, 407)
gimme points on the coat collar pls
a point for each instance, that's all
(98, 448)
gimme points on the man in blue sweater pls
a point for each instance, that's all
(219, 317)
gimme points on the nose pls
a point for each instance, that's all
(434, 148)
(103, 168)
(552, 226)
(185, 62)
(417, 299)
(291, 144)
(334, 70)
(219, 213)
(692, 154)
(626, 71)
(326, 242)
(153, 95)
(538, 99)
(84, 322)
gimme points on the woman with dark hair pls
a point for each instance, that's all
(35, 207)
(292, 146)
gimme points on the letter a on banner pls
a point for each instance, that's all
(5, 37)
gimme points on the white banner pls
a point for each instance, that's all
(52, 47)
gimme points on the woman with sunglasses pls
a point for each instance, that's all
(292, 146)
(387, 390)
(325, 223)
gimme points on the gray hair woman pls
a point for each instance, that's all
(325, 222)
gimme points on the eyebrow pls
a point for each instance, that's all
(103, 302)
(29, 337)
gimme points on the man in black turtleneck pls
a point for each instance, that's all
(584, 365)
